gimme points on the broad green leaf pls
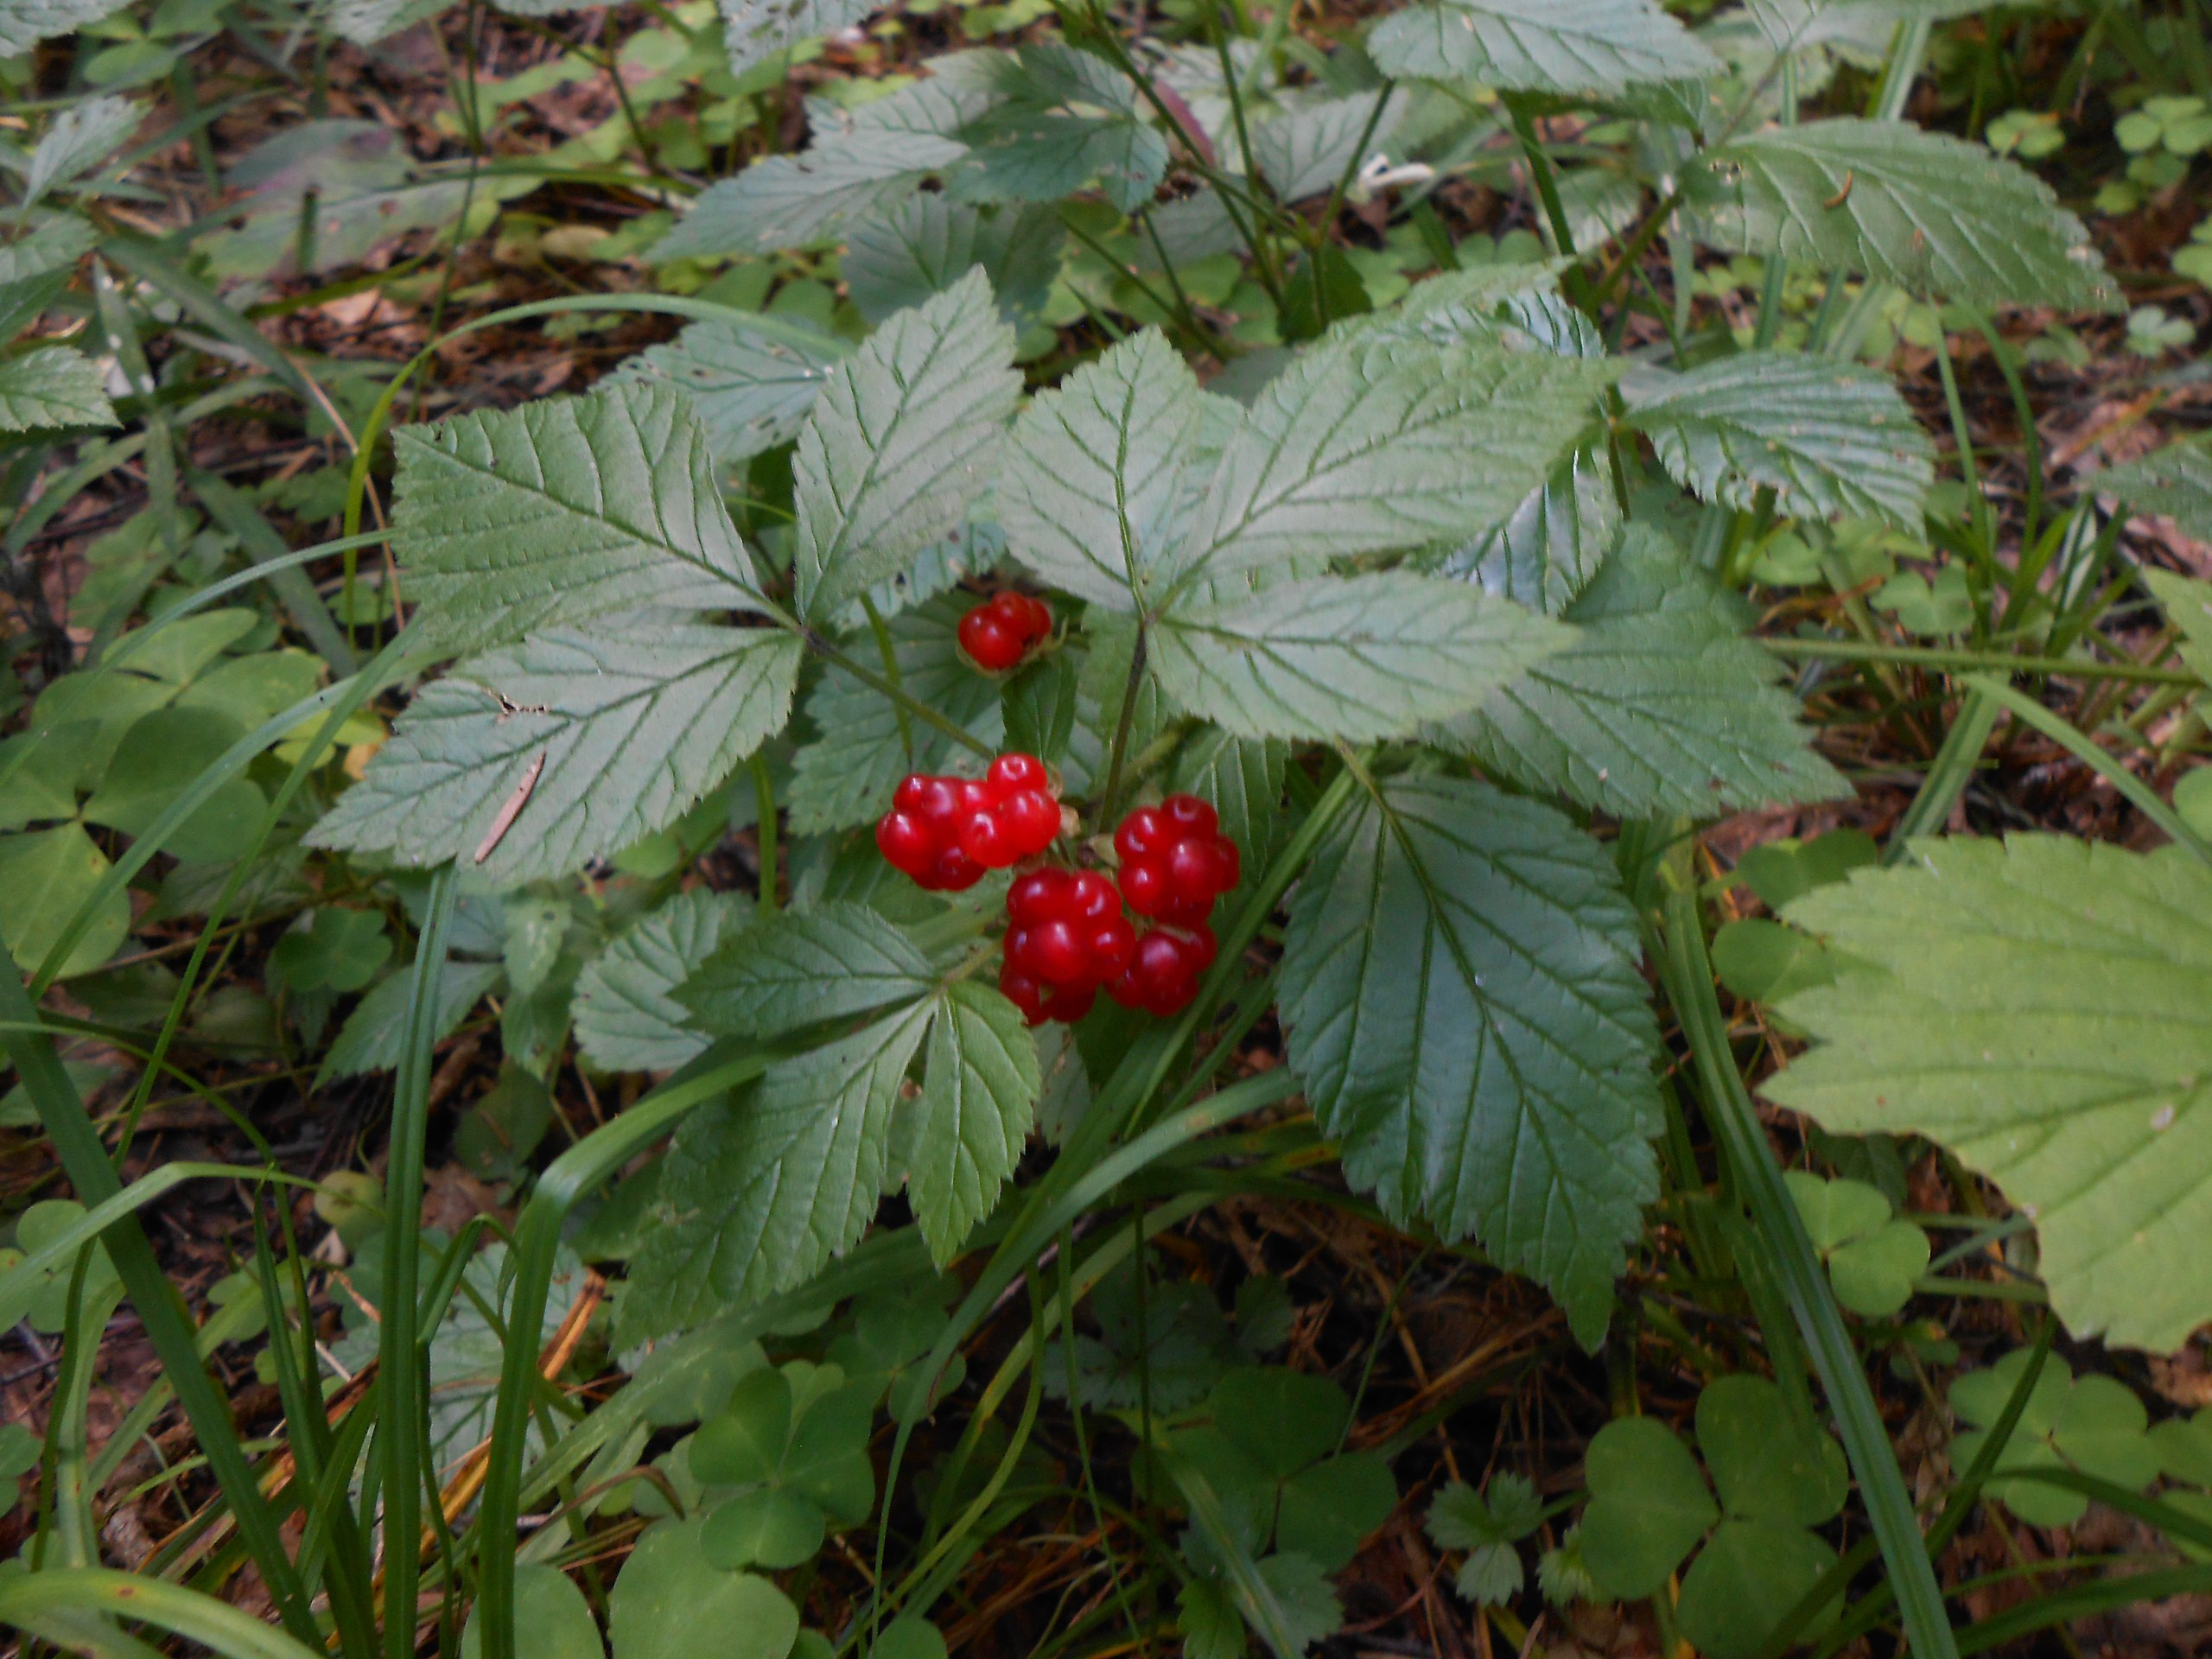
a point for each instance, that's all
(79, 141)
(1648, 1507)
(1795, 25)
(626, 1015)
(1094, 492)
(753, 389)
(1358, 658)
(45, 877)
(1461, 995)
(2095, 1425)
(509, 521)
(671, 1602)
(1547, 550)
(758, 1193)
(2038, 1006)
(1366, 445)
(860, 752)
(1207, 1619)
(160, 756)
(800, 968)
(787, 201)
(962, 1138)
(2175, 481)
(1596, 46)
(603, 735)
(923, 244)
(56, 245)
(2188, 604)
(552, 1619)
(1327, 1511)
(1284, 1419)
(24, 23)
(1767, 1463)
(52, 386)
(767, 1527)
(1936, 215)
(1061, 118)
(1831, 440)
(910, 1637)
(1661, 703)
(371, 1039)
(900, 441)
(1309, 150)
(1745, 1580)
(1306, 1605)
(756, 31)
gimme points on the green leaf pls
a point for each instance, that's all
(900, 443)
(1461, 995)
(767, 1527)
(1596, 47)
(24, 23)
(552, 1619)
(758, 1193)
(847, 775)
(962, 1138)
(1873, 1259)
(1061, 118)
(1284, 1419)
(671, 1602)
(1767, 1463)
(923, 244)
(604, 735)
(45, 877)
(1359, 658)
(1831, 440)
(1206, 1618)
(2038, 1006)
(2175, 481)
(52, 386)
(1648, 1507)
(1372, 443)
(787, 201)
(1305, 1600)
(1507, 1510)
(800, 968)
(160, 756)
(371, 1037)
(1937, 216)
(753, 389)
(1327, 1511)
(79, 140)
(1547, 550)
(1661, 703)
(1306, 151)
(1094, 495)
(509, 521)
(2094, 1425)
(626, 1015)
(756, 31)
(2187, 605)
(1746, 1580)
(909, 1638)
(1782, 871)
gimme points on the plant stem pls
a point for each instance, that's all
(822, 647)
(1111, 797)
(1985, 661)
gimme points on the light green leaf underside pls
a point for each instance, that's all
(1936, 215)
(1309, 150)
(625, 1014)
(78, 141)
(634, 725)
(24, 23)
(1599, 46)
(1366, 445)
(923, 244)
(752, 389)
(2176, 481)
(2039, 1006)
(754, 31)
(2188, 604)
(52, 386)
(1095, 489)
(758, 1194)
(561, 510)
(1461, 995)
(960, 1140)
(785, 202)
(1831, 440)
(1661, 705)
(804, 967)
(1359, 658)
(847, 773)
(900, 441)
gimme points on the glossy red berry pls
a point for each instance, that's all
(1144, 884)
(990, 645)
(985, 837)
(1109, 945)
(1175, 862)
(1070, 1003)
(1091, 898)
(954, 871)
(1011, 774)
(1023, 992)
(1036, 897)
(1189, 816)
(905, 843)
(1197, 872)
(1032, 821)
(1162, 975)
(1052, 950)
(1143, 833)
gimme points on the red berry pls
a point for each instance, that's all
(1144, 884)
(1162, 975)
(935, 801)
(1052, 951)
(1091, 898)
(954, 871)
(973, 796)
(1232, 862)
(1032, 820)
(905, 842)
(1070, 1003)
(1039, 619)
(1017, 774)
(1189, 816)
(985, 837)
(1037, 896)
(992, 645)
(1197, 873)
(1023, 992)
(1143, 832)
(1201, 948)
(1109, 945)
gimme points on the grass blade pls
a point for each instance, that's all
(28, 1599)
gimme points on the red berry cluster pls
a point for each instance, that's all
(1175, 862)
(1065, 937)
(946, 832)
(998, 633)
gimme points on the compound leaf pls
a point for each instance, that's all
(1461, 995)
(900, 442)
(1831, 440)
(509, 521)
(626, 1013)
(961, 1139)
(753, 388)
(605, 735)
(1595, 46)
(52, 386)
(785, 202)
(2037, 1006)
(802, 967)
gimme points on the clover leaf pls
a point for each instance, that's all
(2094, 1425)
(793, 1443)
(337, 950)
(1872, 1257)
